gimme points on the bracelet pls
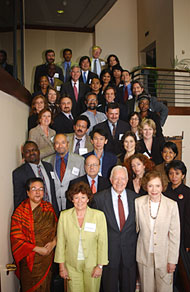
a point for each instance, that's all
(100, 266)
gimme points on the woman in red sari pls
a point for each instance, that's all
(33, 238)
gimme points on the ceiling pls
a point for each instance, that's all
(77, 14)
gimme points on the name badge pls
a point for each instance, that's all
(102, 63)
(83, 151)
(75, 171)
(58, 88)
(90, 227)
(120, 136)
(56, 75)
(52, 139)
(52, 174)
(130, 97)
(99, 173)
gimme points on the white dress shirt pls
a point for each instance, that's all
(115, 204)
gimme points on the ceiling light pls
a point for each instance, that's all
(60, 11)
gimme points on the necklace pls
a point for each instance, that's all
(154, 217)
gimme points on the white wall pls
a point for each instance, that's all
(13, 115)
(174, 127)
(37, 41)
(116, 33)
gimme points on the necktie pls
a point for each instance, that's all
(84, 77)
(75, 91)
(62, 168)
(77, 146)
(70, 117)
(95, 66)
(93, 187)
(121, 212)
(67, 76)
(51, 81)
(113, 130)
(126, 95)
(45, 197)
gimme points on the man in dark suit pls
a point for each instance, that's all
(86, 75)
(33, 167)
(63, 122)
(95, 181)
(41, 70)
(76, 90)
(114, 128)
(107, 159)
(3, 62)
(117, 203)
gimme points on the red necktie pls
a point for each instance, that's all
(121, 212)
(62, 168)
(126, 94)
(93, 187)
(75, 91)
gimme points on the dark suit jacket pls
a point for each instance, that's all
(114, 145)
(79, 106)
(120, 243)
(155, 154)
(91, 75)
(22, 174)
(9, 68)
(41, 70)
(103, 183)
(62, 124)
(108, 162)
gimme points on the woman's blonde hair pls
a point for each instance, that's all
(150, 123)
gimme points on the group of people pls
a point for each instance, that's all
(99, 183)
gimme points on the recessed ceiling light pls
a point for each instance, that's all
(60, 11)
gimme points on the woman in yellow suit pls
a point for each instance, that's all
(82, 247)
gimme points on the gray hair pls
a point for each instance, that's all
(118, 167)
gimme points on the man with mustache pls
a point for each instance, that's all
(95, 117)
(79, 141)
(63, 122)
(42, 70)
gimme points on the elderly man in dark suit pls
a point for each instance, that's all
(92, 177)
(117, 203)
(114, 127)
(33, 167)
(76, 90)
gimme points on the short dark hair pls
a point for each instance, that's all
(49, 51)
(82, 118)
(30, 142)
(128, 134)
(135, 114)
(125, 70)
(170, 145)
(79, 187)
(65, 96)
(177, 165)
(138, 82)
(151, 175)
(4, 53)
(101, 132)
(32, 180)
(89, 94)
(112, 105)
(84, 58)
(66, 50)
(117, 67)
(110, 87)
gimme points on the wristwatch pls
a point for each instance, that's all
(100, 266)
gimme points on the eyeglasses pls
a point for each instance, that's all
(92, 165)
(34, 189)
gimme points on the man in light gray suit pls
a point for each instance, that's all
(67, 166)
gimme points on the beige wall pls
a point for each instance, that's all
(181, 20)
(37, 41)
(13, 115)
(157, 18)
(116, 33)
